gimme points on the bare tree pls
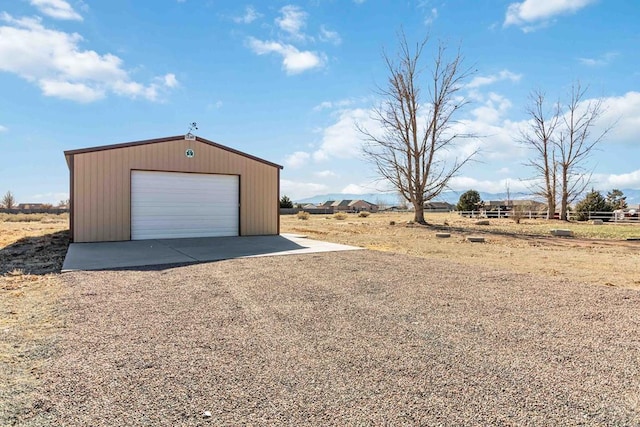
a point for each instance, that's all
(539, 137)
(562, 141)
(576, 143)
(8, 201)
(410, 151)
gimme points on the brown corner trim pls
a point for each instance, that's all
(70, 161)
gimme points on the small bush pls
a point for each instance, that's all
(364, 214)
(303, 215)
(340, 216)
(517, 214)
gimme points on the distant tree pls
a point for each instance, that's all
(594, 201)
(47, 206)
(8, 201)
(416, 120)
(285, 202)
(381, 203)
(616, 199)
(63, 203)
(469, 201)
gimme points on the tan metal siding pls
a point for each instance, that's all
(102, 186)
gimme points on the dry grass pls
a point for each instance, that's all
(598, 254)
(31, 254)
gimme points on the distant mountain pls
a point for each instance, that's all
(633, 197)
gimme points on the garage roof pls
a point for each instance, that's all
(70, 153)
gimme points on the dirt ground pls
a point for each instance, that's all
(354, 338)
(31, 256)
(598, 254)
(33, 318)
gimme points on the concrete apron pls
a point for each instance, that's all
(141, 253)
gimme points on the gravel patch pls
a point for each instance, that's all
(350, 338)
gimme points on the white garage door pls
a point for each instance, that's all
(166, 205)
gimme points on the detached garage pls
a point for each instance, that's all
(170, 188)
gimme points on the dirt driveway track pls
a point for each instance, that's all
(349, 338)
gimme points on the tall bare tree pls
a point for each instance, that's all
(539, 137)
(416, 132)
(561, 139)
(575, 144)
(8, 201)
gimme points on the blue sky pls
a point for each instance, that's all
(287, 80)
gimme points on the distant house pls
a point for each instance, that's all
(350, 206)
(341, 205)
(31, 206)
(438, 207)
(362, 206)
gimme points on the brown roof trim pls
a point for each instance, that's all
(167, 139)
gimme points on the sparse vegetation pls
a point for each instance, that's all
(303, 215)
(517, 214)
(340, 216)
(364, 214)
(594, 255)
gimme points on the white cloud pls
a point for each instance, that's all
(479, 81)
(79, 92)
(431, 16)
(625, 180)
(356, 189)
(599, 62)
(624, 112)
(329, 36)
(55, 61)
(292, 21)
(297, 159)
(326, 174)
(294, 61)
(250, 15)
(3, 128)
(297, 190)
(327, 105)
(493, 110)
(59, 9)
(342, 139)
(464, 183)
(541, 11)
(170, 80)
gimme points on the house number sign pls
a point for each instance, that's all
(189, 153)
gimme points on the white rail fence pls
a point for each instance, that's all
(631, 216)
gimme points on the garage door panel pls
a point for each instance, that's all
(174, 205)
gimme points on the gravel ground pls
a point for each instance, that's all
(350, 338)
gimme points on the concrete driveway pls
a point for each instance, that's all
(140, 253)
